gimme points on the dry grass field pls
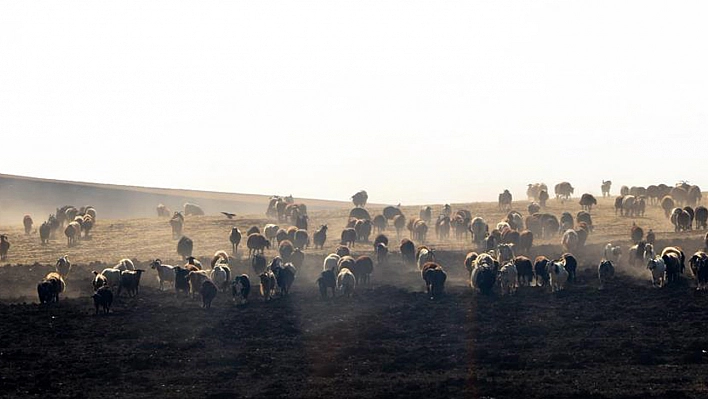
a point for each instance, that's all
(389, 340)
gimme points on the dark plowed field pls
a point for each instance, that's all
(390, 340)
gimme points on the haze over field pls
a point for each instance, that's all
(416, 102)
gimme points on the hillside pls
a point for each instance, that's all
(40, 197)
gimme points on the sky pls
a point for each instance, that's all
(414, 101)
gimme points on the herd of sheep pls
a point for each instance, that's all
(498, 263)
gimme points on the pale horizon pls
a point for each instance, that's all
(414, 102)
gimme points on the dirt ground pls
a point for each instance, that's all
(390, 340)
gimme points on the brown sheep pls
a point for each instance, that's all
(408, 250)
(380, 223)
(667, 204)
(363, 267)
(399, 222)
(525, 241)
(587, 201)
(349, 237)
(286, 249)
(636, 233)
(257, 243)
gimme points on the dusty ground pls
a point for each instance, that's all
(390, 340)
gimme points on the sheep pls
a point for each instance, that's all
(193, 264)
(49, 289)
(524, 269)
(563, 191)
(381, 250)
(667, 204)
(570, 241)
(390, 212)
(267, 285)
(363, 230)
(302, 239)
(636, 233)
(699, 268)
(505, 199)
(282, 235)
(103, 298)
(470, 259)
(325, 282)
(112, 276)
(162, 211)
(605, 188)
(587, 201)
(184, 247)
(420, 230)
(570, 264)
(651, 237)
(220, 257)
(482, 278)
(506, 253)
(540, 271)
(235, 239)
(359, 199)
(182, 280)
(286, 249)
(657, 267)
(533, 208)
(359, 213)
(320, 236)
(349, 237)
(508, 278)
(291, 233)
(257, 242)
(399, 222)
(407, 249)
(543, 197)
(196, 278)
(221, 276)
(558, 275)
(284, 277)
(434, 277)
(177, 224)
(605, 272)
(346, 282)
(45, 231)
(693, 196)
(165, 273)
(130, 281)
(637, 253)
(297, 258)
(208, 291)
(612, 253)
(479, 229)
(525, 241)
(99, 280)
(27, 222)
(72, 233)
(673, 267)
(423, 256)
(270, 231)
(193, 209)
(342, 250)
(258, 263)
(240, 289)
(87, 225)
(346, 262)
(701, 217)
(63, 266)
(253, 230)
(363, 267)
(125, 264)
(331, 262)
(425, 214)
(380, 223)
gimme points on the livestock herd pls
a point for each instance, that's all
(500, 261)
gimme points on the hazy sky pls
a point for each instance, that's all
(416, 102)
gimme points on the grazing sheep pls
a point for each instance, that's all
(103, 298)
(346, 282)
(434, 277)
(257, 243)
(408, 251)
(331, 262)
(240, 289)
(208, 291)
(268, 284)
(587, 201)
(50, 288)
(558, 275)
(165, 273)
(27, 222)
(325, 282)
(605, 272)
(184, 247)
(342, 250)
(349, 237)
(191, 209)
(259, 264)
(63, 266)
(359, 199)
(235, 239)
(130, 281)
(320, 236)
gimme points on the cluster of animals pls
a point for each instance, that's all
(78, 221)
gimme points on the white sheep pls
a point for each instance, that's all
(165, 273)
(346, 282)
(331, 262)
(63, 266)
(112, 275)
(221, 276)
(125, 264)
